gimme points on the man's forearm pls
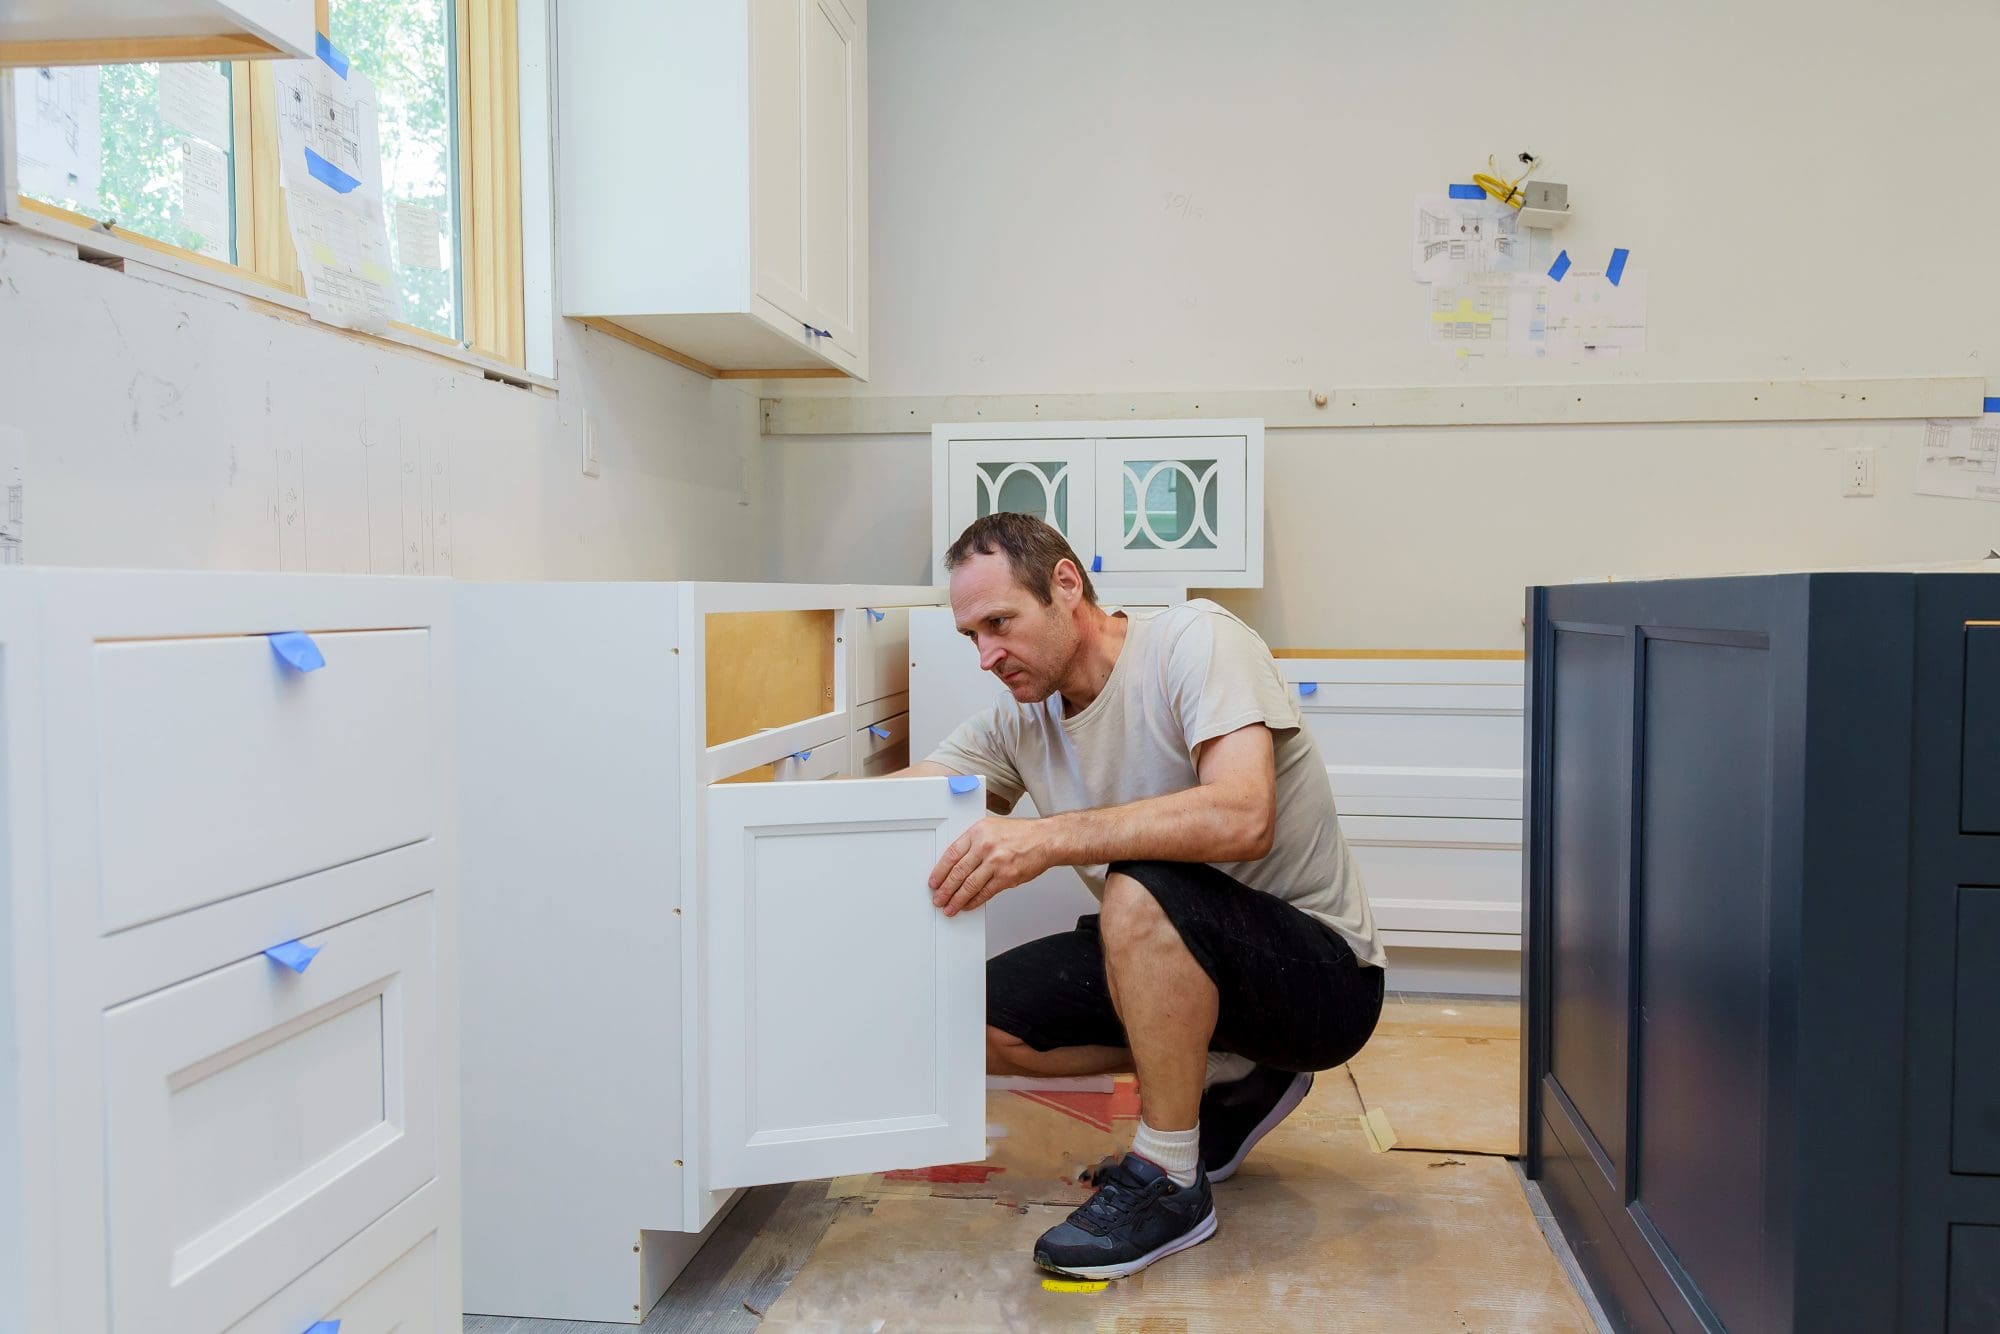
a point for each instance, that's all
(1196, 825)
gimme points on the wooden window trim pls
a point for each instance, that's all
(487, 125)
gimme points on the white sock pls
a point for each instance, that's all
(1177, 1152)
(1226, 1067)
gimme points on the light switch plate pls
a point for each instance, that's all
(589, 445)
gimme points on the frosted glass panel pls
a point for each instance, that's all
(1180, 504)
(1040, 489)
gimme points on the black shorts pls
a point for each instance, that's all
(1292, 994)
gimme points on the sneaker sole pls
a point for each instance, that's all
(1286, 1105)
(1195, 1236)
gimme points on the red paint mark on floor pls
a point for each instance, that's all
(955, 1174)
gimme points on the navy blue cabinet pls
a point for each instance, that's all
(1761, 1085)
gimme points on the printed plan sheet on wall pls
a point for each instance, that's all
(58, 143)
(331, 155)
(13, 530)
(1961, 458)
(1497, 291)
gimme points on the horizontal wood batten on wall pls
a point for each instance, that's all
(1414, 405)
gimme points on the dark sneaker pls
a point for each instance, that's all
(1234, 1116)
(1137, 1216)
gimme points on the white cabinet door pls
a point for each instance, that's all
(1172, 503)
(806, 99)
(845, 1016)
(777, 128)
(830, 70)
(1053, 480)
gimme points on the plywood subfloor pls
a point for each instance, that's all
(1447, 1072)
(1316, 1232)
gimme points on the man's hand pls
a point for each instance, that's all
(993, 855)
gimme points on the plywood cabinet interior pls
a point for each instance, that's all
(715, 179)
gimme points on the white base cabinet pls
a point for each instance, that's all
(196, 1136)
(678, 986)
(1424, 755)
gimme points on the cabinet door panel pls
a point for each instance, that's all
(1172, 503)
(845, 1015)
(777, 129)
(828, 63)
(1050, 479)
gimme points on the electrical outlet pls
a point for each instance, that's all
(1859, 471)
(589, 446)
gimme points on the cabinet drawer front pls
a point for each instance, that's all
(1432, 740)
(222, 770)
(1441, 887)
(883, 747)
(257, 1118)
(882, 654)
(829, 760)
(379, 1283)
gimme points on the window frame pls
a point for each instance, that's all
(490, 203)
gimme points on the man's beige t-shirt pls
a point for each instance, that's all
(1184, 676)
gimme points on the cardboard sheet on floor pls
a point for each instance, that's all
(1444, 1092)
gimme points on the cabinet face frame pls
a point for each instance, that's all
(1102, 441)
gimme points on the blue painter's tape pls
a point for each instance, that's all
(1992, 405)
(962, 784)
(333, 176)
(325, 1327)
(296, 650)
(1616, 269)
(292, 954)
(882, 732)
(330, 53)
(802, 755)
(1308, 687)
(1467, 192)
(875, 615)
(1097, 565)
(1560, 267)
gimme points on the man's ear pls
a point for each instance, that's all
(1067, 580)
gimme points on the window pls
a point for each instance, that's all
(149, 147)
(185, 157)
(408, 48)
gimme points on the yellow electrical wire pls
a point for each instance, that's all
(1507, 192)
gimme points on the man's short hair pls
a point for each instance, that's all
(1033, 550)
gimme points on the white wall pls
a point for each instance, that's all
(174, 427)
(1029, 165)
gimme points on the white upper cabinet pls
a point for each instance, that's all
(90, 32)
(715, 178)
(1173, 503)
